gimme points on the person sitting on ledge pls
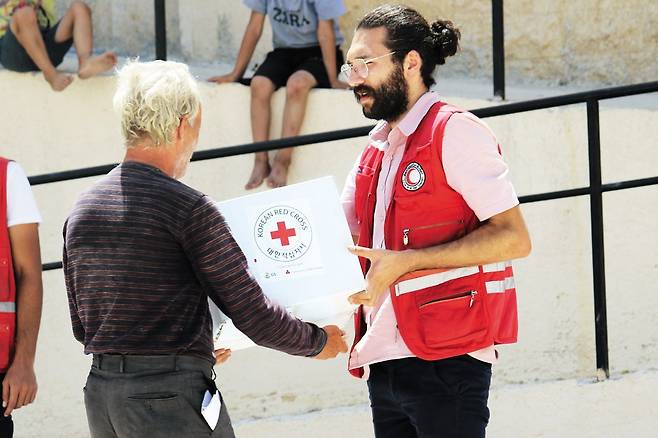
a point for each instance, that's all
(31, 40)
(306, 54)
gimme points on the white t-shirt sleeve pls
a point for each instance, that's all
(475, 168)
(256, 5)
(21, 206)
(330, 9)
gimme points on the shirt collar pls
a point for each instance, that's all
(411, 120)
(408, 125)
(380, 132)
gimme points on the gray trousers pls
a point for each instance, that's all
(150, 396)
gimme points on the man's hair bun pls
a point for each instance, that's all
(446, 39)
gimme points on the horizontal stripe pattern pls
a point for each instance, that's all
(7, 307)
(503, 277)
(495, 267)
(419, 283)
(500, 286)
(142, 252)
(503, 269)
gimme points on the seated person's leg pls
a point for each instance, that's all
(314, 64)
(297, 89)
(262, 89)
(24, 49)
(272, 74)
(76, 25)
(310, 72)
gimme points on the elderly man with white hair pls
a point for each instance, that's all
(142, 253)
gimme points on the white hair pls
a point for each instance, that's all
(152, 97)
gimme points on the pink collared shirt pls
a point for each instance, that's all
(473, 167)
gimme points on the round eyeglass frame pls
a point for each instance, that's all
(358, 68)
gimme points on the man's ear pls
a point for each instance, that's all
(183, 126)
(412, 63)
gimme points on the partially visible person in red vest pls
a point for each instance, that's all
(437, 220)
(20, 291)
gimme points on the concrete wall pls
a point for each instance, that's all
(546, 151)
(128, 26)
(211, 32)
(551, 41)
(554, 41)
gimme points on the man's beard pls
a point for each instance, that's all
(390, 100)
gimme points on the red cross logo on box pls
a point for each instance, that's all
(274, 229)
(283, 234)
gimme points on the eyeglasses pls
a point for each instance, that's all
(358, 69)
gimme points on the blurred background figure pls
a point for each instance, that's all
(306, 54)
(31, 40)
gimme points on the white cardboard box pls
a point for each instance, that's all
(295, 239)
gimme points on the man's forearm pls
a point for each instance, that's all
(488, 244)
(28, 316)
(270, 325)
(503, 237)
(26, 258)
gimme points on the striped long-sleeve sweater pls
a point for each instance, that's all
(142, 252)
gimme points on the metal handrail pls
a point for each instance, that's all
(302, 140)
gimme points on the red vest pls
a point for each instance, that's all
(7, 282)
(440, 313)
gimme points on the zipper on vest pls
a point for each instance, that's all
(406, 231)
(472, 293)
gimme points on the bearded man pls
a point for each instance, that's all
(429, 200)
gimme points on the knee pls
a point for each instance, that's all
(80, 7)
(298, 86)
(25, 16)
(261, 88)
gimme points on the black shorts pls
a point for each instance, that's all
(14, 57)
(280, 64)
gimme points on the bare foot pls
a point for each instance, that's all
(258, 174)
(97, 64)
(279, 174)
(59, 81)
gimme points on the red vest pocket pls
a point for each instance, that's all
(423, 236)
(432, 227)
(454, 321)
(442, 313)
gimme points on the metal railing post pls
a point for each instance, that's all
(498, 43)
(160, 30)
(598, 255)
